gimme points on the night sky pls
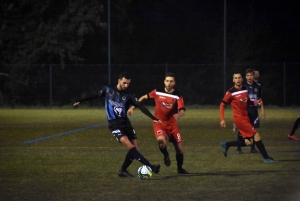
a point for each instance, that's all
(192, 32)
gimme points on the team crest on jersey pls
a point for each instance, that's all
(174, 100)
(244, 100)
(169, 106)
(123, 98)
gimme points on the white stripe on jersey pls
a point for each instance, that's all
(239, 92)
(166, 94)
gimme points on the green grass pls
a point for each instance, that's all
(83, 165)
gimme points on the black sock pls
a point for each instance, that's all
(295, 127)
(239, 138)
(163, 150)
(128, 160)
(138, 156)
(262, 149)
(253, 145)
(179, 159)
(236, 144)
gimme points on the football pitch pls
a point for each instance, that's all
(69, 154)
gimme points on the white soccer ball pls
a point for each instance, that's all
(144, 172)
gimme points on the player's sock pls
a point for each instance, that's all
(128, 160)
(236, 144)
(138, 156)
(179, 159)
(239, 138)
(163, 149)
(262, 149)
(253, 145)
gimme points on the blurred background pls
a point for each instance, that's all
(54, 52)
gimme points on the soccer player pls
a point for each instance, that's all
(117, 102)
(169, 108)
(254, 92)
(238, 98)
(292, 136)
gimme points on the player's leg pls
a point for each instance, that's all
(161, 137)
(262, 149)
(254, 119)
(292, 136)
(239, 138)
(179, 157)
(245, 128)
(129, 140)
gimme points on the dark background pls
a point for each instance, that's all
(51, 42)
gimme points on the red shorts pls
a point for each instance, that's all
(244, 126)
(169, 130)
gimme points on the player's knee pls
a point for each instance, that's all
(257, 137)
(248, 142)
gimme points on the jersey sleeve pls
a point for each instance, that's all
(152, 94)
(102, 93)
(180, 103)
(227, 98)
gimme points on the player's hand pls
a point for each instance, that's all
(157, 121)
(176, 116)
(259, 102)
(76, 104)
(130, 111)
(263, 115)
(223, 124)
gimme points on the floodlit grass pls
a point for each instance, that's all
(69, 154)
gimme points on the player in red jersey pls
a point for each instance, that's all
(169, 108)
(239, 99)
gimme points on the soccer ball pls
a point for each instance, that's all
(144, 172)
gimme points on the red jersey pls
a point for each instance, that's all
(166, 104)
(239, 99)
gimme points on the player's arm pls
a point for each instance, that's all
(181, 113)
(91, 97)
(222, 118)
(130, 110)
(146, 112)
(262, 110)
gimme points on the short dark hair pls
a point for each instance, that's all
(170, 74)
(250, 70)
(125, 75)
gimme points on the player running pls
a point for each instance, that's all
(238, 98)
(169, 108)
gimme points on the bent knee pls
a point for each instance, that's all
(248, 142)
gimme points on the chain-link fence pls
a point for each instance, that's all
(55, 85)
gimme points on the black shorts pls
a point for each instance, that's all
(122, 128)
(253, 116)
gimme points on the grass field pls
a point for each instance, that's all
(69, 154)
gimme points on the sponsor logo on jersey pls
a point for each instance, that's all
(169, 106)
(244, 100)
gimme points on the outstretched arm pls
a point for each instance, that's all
(130, 110)
(94, 96)
(147, 112)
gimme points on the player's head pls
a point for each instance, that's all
(124, 81)
(169, 81)
(256, 75)
(249, 75)
(237, 79)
